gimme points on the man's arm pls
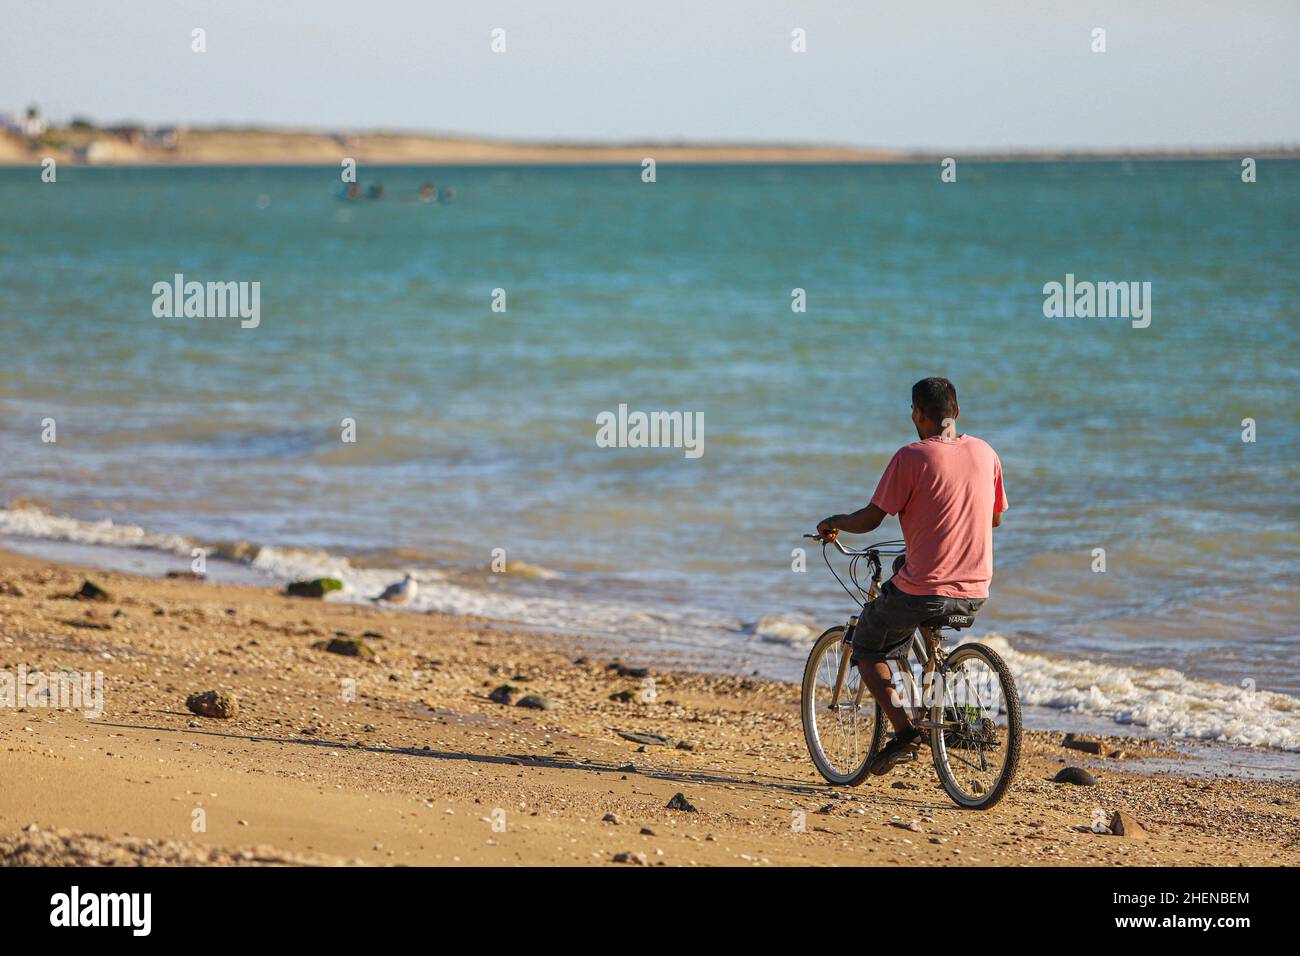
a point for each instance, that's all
(861, 521)
(997, 519)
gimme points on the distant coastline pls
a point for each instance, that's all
(132, 145)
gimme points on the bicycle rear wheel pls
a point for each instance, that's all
(977, 752)
(843, 732)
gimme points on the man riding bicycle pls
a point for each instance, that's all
(947, 492)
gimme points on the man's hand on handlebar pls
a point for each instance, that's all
(863, 521)
(827, 530)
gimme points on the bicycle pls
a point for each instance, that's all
(967, 699)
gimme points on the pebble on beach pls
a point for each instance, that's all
(315, 588)
(213, 703)
(346, 646)
(91, 591)
(1075, 775)
(537, 702)
(1084, 744)
(1125, 824)
(679, 802)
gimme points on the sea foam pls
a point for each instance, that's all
(1164, 702)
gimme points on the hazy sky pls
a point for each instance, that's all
(910, 74)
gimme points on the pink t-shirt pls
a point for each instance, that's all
(945, 493)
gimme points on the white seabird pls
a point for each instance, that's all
(401, 592)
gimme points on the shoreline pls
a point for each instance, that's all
(135, 145)
(749, 653)
(421, 767)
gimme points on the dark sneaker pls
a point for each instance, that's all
(903, 747)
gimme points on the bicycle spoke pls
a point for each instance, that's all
(840, 729)
(975, 744)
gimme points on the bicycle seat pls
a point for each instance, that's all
(955, 621)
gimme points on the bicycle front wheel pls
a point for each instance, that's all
(841, 722)
(978, 749)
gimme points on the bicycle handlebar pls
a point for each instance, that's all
(883, 547)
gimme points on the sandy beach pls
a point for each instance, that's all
(403, 758)
(280, 147)
(136, 146)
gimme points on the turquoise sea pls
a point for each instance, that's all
(476, 428)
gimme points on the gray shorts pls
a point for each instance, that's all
(886, 625)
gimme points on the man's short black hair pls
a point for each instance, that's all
(936, 398)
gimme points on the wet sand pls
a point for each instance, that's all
(402, 758)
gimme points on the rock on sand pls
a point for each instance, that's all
(213, 703)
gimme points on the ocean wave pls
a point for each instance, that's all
(29, 521)
(781, 629)
(526, 570)
(481, 594)
(1161, 700)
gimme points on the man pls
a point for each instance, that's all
(947, 492)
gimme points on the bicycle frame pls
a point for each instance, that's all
(873, 557)
(926, 645)
(929, 653)
(931, 692)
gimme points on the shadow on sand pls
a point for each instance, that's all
(703, 777)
